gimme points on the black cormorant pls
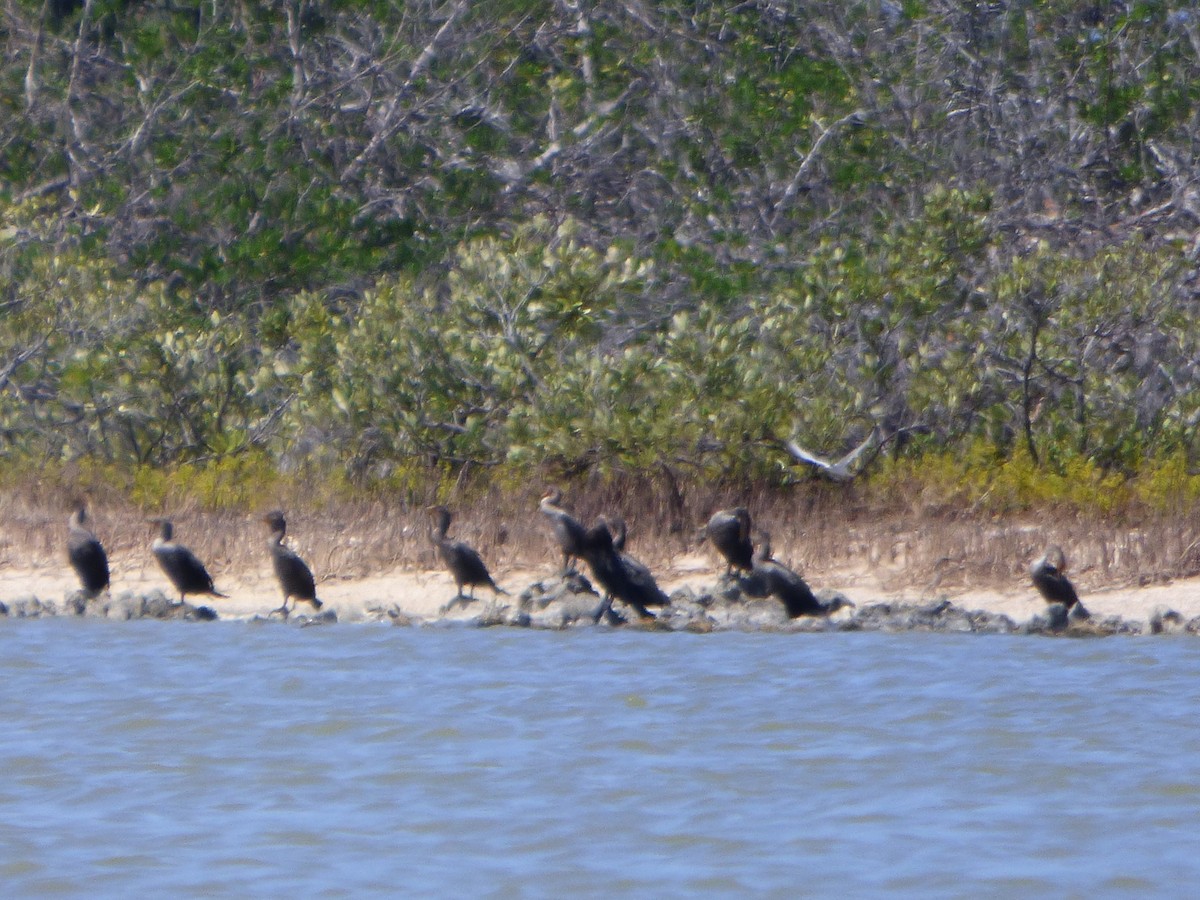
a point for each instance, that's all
(1050, 578)
(782, 583)
(729, 531)
(86, 554)
(464, 563)
(180, 564)
(295, 577)
(568, 531)
(621, 576)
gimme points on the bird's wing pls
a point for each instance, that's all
(856, 454)
(846, 468)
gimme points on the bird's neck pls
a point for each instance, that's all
(437, 533)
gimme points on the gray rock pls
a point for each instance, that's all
(1058, 621)
(157, 605)
(1166, 621)
(568, 611)
(568, 601)
(327, 616)
(938, 615)
(541, 594)
(76, 603)
(1113, 625)
(30, 608)
(399, 618)
(763, 614)
(122, 607)
(390, 612)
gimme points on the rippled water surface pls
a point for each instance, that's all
(234, 759)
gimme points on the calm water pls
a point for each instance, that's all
(233, 759)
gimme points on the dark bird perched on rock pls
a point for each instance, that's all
(180, 564)
(729, 531)
(777, 580)
(621, 576)
(85, 553)
(569, 532)
(295, 577)
(464, 563)
(1049, 576)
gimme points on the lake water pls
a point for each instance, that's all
(151, 758)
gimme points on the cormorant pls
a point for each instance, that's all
(1050, 578)
(781, 582)
(86, 554)
(464, 563)
(729, 532)
(568, 531)
(295, 577)
(621, 576)
(180, 564)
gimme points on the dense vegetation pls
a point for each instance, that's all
(381, 238)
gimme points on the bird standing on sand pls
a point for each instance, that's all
(85, 553)
(295, 577)
(464, 563)
(729, 531)
(621, 576)
(569, 532)
(1050, 578)
(180, 564)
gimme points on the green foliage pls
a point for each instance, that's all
(1167, 485)
(437, 373)
(982, 480)
(393, 243)
(232, 483)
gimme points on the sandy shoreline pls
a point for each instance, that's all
(421, 594)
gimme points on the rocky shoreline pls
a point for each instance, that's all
(572, 602)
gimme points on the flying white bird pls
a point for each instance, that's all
(845, 469)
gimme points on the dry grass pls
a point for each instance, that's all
(819, 528)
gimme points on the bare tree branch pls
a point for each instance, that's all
(855, 118)
(394, 117)
(22, 357)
